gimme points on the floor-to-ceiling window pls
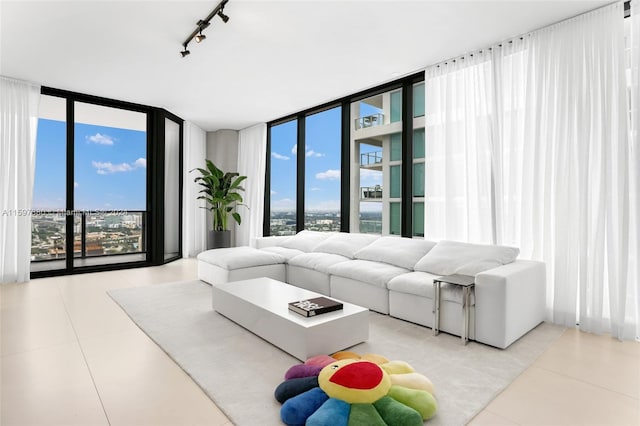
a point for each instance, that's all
(91, 192)
(48, 219)
(109, 186)
(284, 149)
(322, 170)
(356, 173)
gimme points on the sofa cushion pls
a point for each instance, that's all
(288, 253)
(418, 283)
(320, 262)
(374, 273)
(345, 244)
(452, 257)
(421, 284)
(240, 257)
(402, 252)
(306, 240)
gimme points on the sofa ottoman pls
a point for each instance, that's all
(219, 266)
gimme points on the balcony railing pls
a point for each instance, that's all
(369, 121)
(371, 158)
(371, 192)
(95, 234)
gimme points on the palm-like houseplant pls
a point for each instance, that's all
(221, 191)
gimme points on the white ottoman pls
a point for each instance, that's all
(219, 266)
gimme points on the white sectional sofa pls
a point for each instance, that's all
(394, 276)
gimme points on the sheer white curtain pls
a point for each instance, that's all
(18, 126)
(194, 232)
(633, 303)
(252, 151)
(458, 138)
(566, 166)
(563, 169)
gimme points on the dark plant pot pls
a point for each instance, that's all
(219, 239)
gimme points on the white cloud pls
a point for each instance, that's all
(370, 177)
(330, 174)
(312, 153)
(100, 139)
(273, 192)
(283, 204)
(316, 189)
(76, 184)
(105, 168)
(308, 153)
(107, 204)
(279, 156)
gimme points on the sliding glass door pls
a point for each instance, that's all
(101, 167)
(109, 185)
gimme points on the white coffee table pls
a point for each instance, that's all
(261, 306)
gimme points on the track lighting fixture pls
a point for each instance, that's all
(222, 16)
(202, 24)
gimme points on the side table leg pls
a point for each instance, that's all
(436, 308)
(465, 314)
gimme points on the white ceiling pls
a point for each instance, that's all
(271, 59)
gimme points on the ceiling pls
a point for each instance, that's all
(271, 59)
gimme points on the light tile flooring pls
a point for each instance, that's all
(70, 356)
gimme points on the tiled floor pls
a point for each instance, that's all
(70, 356)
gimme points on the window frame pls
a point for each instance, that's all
(405, 84)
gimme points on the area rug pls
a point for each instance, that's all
(239, 371)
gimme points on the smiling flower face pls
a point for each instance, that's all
(355, 382)
(349, 389)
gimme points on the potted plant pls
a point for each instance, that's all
(222, 192)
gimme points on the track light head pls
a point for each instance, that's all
(200, 37)
(222, 16)
(185, 52)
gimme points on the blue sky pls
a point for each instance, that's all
(322, 165)
(110, 167)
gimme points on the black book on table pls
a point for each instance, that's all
(315, 306)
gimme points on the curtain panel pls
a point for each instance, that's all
(458, 129)
(194, 232)
(557, 150)
(252, 151)
(19, 102)
(633, 40)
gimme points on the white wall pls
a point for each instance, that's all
(222, 149)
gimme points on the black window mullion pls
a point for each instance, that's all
(69, 184)
(300, 158)
(266, 220)
(345, 162)
(406, 222)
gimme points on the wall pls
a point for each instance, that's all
(222, 149)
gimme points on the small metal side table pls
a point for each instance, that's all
(467, 283)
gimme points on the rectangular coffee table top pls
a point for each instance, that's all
(275, 296)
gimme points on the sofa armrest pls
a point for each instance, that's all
(509, 301)
(262, 242)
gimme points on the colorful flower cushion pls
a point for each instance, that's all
(347, 389)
